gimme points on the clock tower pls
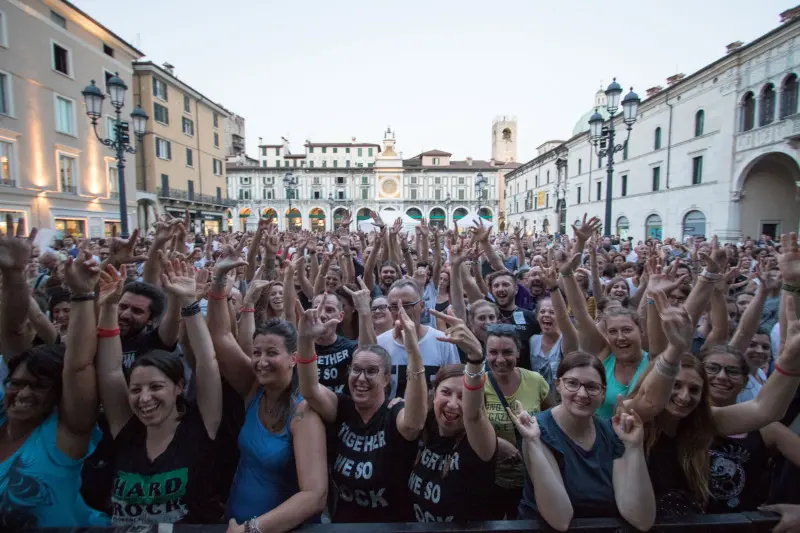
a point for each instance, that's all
(389, 169)
(504, 139)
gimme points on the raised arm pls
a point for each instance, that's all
(518, 246)
(569, 335)
(14, 256)
(319, 282)
(411, 418)
(589, 336)
(234, 364)
(110, 376)
(44, 329)
(79, 406)
(289, 292)
(720, 325)
(165, 231)
(551, 496)
(320, 398)
(437, 254)
(179, 282)
(701, 292)
(633, 489)
(369, 266)
(480, 432)
(748, 325)
(252, 250)
(457, 282)
(481, 235)
(361, 302)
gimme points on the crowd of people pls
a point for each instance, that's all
(271, 379)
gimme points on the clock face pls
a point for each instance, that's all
(389, 187)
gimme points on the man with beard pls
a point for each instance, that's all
(388, 273)
(140, 308)
(535, 286)
(503, 288)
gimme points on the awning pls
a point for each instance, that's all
(437, 217)
(320, 216)
(244, 213)
(359, 218)
(486, 217)
(459, 215)
(415, 216)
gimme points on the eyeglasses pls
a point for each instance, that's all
(394, 308)
(19, 384)
(370, 372)
(731, 371)
(380, 308)
(573, 385)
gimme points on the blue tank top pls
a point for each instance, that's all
(614, 387)
(40, 485)
(266, 476)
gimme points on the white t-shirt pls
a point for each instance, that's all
(435, 354)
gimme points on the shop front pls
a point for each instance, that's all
(74, 227)
(112, 228)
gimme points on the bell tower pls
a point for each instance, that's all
(504, 139)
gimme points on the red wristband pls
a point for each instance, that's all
(779, 370)
(306, 361)
(212, 296)
(107, 333)
(478, 387)
(247, 310)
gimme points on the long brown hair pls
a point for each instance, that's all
(695, 435)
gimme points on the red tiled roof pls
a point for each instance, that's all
(435, 153)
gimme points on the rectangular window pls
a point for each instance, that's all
(7, 163)
(324, 162)
(107, 50)
(625, 151)
(547, 200)
(217, 167)
(278, 151)
(310, 149)
(347, 163)
(370, 165)
(219, 193)
(437, 194)
(187, 103)
(340, 195)
(160, 89)
(579, 194)
(5, 94)
(656, 178)
(286, 164)
(164, 185)
(160, 113)
(625, 185)
(163, 149)
(187, 125)
(580, 166)
(67, 173)
(216, 140)
(369, 152)
(536, 202)
(335, 150)
(413, 194)
(599, 190)
(190, 185)
(263, 151)
(113, 181)
(335, 163)
(461, 180)
(347, 150)
(339, 180)
(3, 30)
(310, 164)
(216, 120)
(413, 180)
(65, 115)
(58, 19)
(697, 170)
(316, 195)
(365, 193)
(360, 152)
(264, 164)
(435, 160)
(461, 194)
(315, 180)
(189, 157)
(437, 180)
(324, 149)
(548, 176)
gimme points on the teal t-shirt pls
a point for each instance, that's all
(615, 388)
(40, 486)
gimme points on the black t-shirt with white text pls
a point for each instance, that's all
(332, 362)
(178, 486)
(527, 326)
(369, 465)
(449, 481)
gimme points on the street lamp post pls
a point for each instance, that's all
(480, 186)
(602, 137)
(120, 140)
(331, 203)
(289, 183)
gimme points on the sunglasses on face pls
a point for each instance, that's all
(380, 309)
(395, 308)
(714, 369)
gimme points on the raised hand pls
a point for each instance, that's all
(480, 232)
(310, 324)
(587, 228)
(120, 251)
(406, 329)
(627, 425)
(459, 334)
(675, 322)
(658, 281)
(176, 278)
(111, 284)
(567, 265)
(792, 347)
(789, 260)
(549, 277)
(15, 252)
(397, 226)
(376, 219)
(526, 424)
(201, 283)
(82, 273)
(227, 263)
(254, 292)
(361, 298)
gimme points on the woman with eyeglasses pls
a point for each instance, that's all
(508, 384)
(578, 464)
(738, 463)
(381, 317)
(371, 445)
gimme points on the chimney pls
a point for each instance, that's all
(169, 68)
(790, 14)
(733, 46)
(672, 80)
(654, 90)
(469, 161)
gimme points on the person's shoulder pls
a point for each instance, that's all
(348, 343)
(531, 377)
(385, 339)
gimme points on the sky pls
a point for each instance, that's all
(436, 71)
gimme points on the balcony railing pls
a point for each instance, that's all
(69, 189)
(712, 523)
(193, 197)
(8, 182)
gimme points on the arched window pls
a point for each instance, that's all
(767, 105)
(748, 119)
(657, 139)
(652, 227)
(623, 227)
(699, 123)
(789, 96)
(694, 224)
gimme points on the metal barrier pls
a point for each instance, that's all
(755, 522)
